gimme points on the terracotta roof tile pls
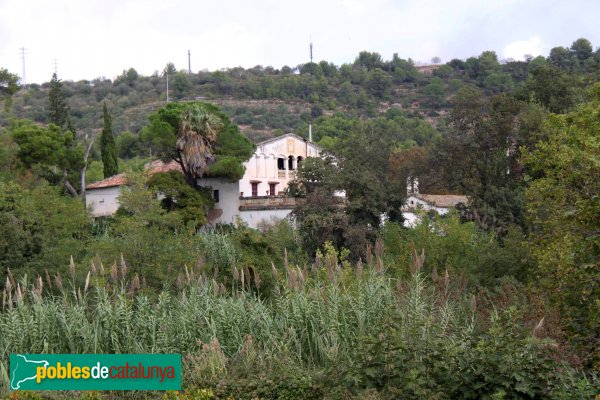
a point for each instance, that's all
(115, 180)
(443, 200)
(120, 179)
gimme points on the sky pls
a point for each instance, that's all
(87, 39)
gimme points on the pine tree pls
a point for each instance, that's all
(108, 147)
(58, 113)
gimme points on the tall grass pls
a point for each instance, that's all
(328, 318)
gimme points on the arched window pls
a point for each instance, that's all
(299, 161)
(291, 163)
(281, 164)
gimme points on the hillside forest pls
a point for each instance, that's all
(496, 300)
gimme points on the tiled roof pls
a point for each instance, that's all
(443, 200)
(120, 179)
(115, 180)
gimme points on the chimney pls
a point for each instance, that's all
(412, 186)
(310, 133)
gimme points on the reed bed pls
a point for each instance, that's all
(317, 318)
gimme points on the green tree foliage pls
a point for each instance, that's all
(9, 84)
(128, 77)
(108, 147)
(564, 210)
(320, 216)
(552, 88)
(177, 196)
(582, 50)
(200, 131)
(151, 239)
(49, 152)
(39, 229)
(478, 157)
(58, 112)
(379, 83)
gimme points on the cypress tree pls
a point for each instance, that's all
(59, 110)
(108, 147)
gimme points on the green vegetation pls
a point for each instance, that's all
(497, 300)
(108, 148)
(330, 332)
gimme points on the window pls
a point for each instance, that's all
(299, 160)
(216, 195)
(291, 163)
(254, 189)
(281, 164)
(272, 190)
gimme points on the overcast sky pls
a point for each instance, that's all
(93, 38)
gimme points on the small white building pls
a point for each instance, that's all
(256, 198)
(102, 197)
(416, 202)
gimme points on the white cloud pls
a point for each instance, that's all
(517, 50)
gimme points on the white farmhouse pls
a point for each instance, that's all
(102, 197)
(257, 198)
(415, 201)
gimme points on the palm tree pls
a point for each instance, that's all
(198, 131)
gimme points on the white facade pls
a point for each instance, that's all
(103, 202)
(441, 204)
(255, 199)
(258, 197)
(226, 210)
(274, 164)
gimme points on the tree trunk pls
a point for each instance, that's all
(84, 169)
(70, 188)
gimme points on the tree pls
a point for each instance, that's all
(478, 157)
(8, 86)
(58, 113)
(170, 69)
(50, 152)
(39, 229)
(320, 217)
(108, 147)
(378, 83)
(551, 87)
(564, 211)
(197, 134)
(201, 138)
(179, 197)
(561, 58)
(128, 77)
(436, 60)
(582, 49)
(369, 60)
(181, 83)
(436, 92)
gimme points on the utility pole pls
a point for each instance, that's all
(22, 51)
(167, 72)
(189, 63)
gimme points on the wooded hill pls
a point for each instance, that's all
(266, 102)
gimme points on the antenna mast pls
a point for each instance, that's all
(22, 51)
